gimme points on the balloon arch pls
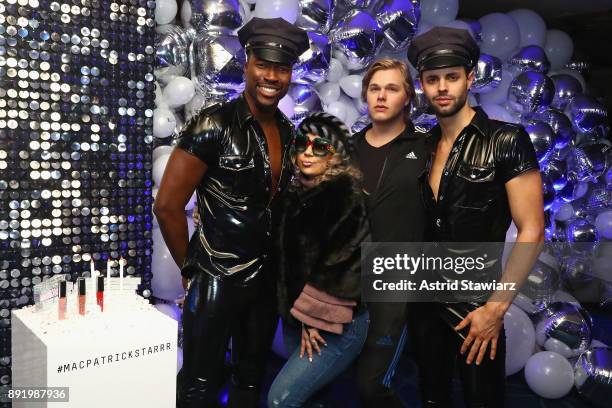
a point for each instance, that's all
(525, 75)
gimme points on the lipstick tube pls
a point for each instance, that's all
(100, 292)
(61, 311)
(81, 298)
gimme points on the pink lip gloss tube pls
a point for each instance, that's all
(81, 284)
(61, 312)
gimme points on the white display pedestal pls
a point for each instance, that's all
(116, 359)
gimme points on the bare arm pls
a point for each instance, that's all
(526, 206)
(183, 173)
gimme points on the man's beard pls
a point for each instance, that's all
(456, 107)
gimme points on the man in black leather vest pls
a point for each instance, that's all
(236, 157)
(481, 175)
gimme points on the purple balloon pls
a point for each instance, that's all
(530, 92)
(530, 58)
(566, 88)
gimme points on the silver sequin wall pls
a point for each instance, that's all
(76, 107)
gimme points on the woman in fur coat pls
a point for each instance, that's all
(323, 223)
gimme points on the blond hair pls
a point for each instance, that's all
(384, 65)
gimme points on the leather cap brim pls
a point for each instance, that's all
(273, 55)
(443, 61)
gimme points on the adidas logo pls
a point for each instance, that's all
(411, 155)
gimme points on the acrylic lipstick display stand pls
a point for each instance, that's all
(123, 356)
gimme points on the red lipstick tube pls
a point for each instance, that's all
(100, 292)
(81, 284)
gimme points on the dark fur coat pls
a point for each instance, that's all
(319, 238)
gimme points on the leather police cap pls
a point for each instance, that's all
(273, 39)
(443, 47)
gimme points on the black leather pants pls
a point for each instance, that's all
(437, 347)
(214, 311)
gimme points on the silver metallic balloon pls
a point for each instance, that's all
(398, 20)
(593, 376)
(315, 15)
(360, 124)
(362, 4)
(581, 66)
(583, 233)
(543, 281)
(306, 101)
(530, 58)
(419, 104)
(313, 65)
(566, 322)
(586, 113)
(566, 87)
(487, 75)
(217, 65)
(425, 121)
(598, 197)
(542, 137)
(530, 92)
(560, 124)
(171, 52)
(587, 161)
(357, 38)
(215, 17)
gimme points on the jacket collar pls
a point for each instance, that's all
(409, 133)
(480, 123)
(244, 115)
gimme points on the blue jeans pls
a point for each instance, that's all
(299, 379)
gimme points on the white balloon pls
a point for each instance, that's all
(164, 123)
(549, 374)
(500, 94)
(336, 70)
(337, 109)
(351, 85)
(565, 212)
(186, 14)
(278, 344)
(350, 108)
(498, 112)
(559, 48)
(159, 166)
(169, 309)
(179, 91)
(329, 92)
(361, 106)
(460, 24)
(160, 102)
(423, 27)
(597, 343)
(562, 296)
(192, 202)
(520, 339)
(159, 151)
(166, 282)
(154, 195)
(179, 359)
(165, 11)
(194, 105)
(531, 26)
(500, 35)
(286, 9)
(439, 12)
(558, 346)
(525, 304)
(287, 106)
